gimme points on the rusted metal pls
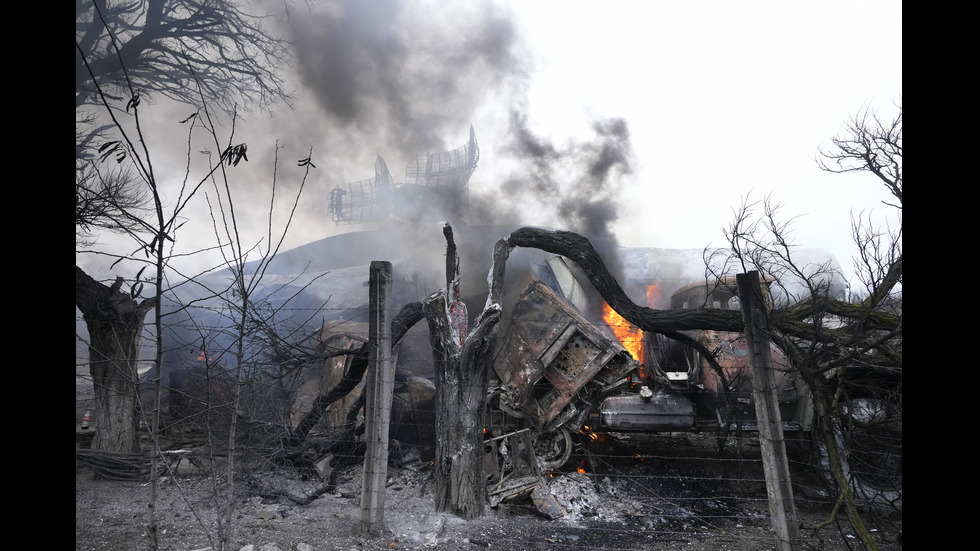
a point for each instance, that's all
(552, 353)
(688, 370)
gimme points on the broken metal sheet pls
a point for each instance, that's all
(517, 474)
(556, 352)
(512, 489)
(517, 467)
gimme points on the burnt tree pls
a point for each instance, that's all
(115, 320)
(790, 321)
(463, 365)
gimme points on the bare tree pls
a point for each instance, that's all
(848, 352)
(107, 197)
(114, 317)
(105, 48)
(869, 144)
(248, 318)
(174, 48)
(125, 51)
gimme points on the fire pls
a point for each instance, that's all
(629, 335)
(586, 430)
(581, 467)
(653, 295)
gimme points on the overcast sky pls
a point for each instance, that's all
(722, 99)
(647, 120)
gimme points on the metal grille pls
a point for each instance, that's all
(450, 169)
(372, 200)
(364, 200)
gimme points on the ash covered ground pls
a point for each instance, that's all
(683, 497)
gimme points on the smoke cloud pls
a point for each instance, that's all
(401, 78)
(572, 187)
(404, 76)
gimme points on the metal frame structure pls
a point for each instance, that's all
(430, 176)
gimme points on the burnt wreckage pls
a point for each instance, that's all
(562, 378)
(562, 375)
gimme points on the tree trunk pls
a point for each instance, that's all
(462, 380)
(824, 401)
(462, 364)
(115, 321)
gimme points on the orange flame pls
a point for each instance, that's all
(653, 295)
(629, 335)
(581, 467)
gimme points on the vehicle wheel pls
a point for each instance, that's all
(869, 437)
(553, 448)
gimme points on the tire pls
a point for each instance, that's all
(869, 437)
(553, 448)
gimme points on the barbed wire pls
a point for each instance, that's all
(650, 489)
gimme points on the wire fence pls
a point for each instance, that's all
(614, 491)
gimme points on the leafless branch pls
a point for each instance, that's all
(868, 144)
(233, 52)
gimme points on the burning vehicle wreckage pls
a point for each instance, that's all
(565, 366)
(560, 378)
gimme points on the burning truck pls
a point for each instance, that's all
(560, 375)
(563, 378)
(564, 369)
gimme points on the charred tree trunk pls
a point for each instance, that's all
(463, 365)
(114, 320)
(462, 380)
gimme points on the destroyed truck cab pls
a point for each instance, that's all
(560, 374)
(723, 398)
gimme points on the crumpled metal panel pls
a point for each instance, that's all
(551, 352)
(512, 467)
